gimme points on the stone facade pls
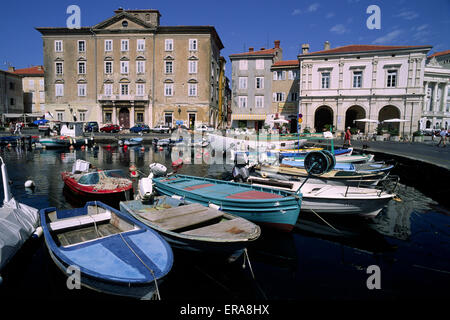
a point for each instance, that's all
(128, 69)
(343, 84)
(33, 89)
(11, 94)
(252, 85)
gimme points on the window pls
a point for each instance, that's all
(124, 89)
(81, 46)
(140, 66)
(12, 86)
(279, 96)
(242, 82)
(41, 84)
(59, 68)
(140, 89)
(192, 90)
(259, 64)
(108, 67)
(59, 90)
(243, 64)
(192, 66)
(108, 117)
(294, 96)
(325, 80)
(108, 45)
(140, 117)
(168, 89)
(392, 78)
(108, 89)
(168, 67)
(60, 116)
(193, 44)
(58, 46)
(357, 79)
(82, 116)
(82, 90)
(293, 74)
(81, 67)
(242, 101)
(41, 96)
(259, 83)
(279, 75)
(259, 101)
(168, 44)
(124, 67)
(12, 101)
(140, 44)
(124, 45)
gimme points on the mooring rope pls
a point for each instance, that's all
(246, 257)
(325, 221)
(148, 268)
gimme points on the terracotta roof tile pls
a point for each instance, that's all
(359, 48)
(440, 53)
(286, 63)
(35, 70)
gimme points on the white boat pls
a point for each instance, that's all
(329, 199)
(17, 222)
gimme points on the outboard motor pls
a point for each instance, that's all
(240, 170)
(158, 169)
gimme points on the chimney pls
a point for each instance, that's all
(277, 43)
(250, 49)
(305, 48)
(11, 69)
(326, 46)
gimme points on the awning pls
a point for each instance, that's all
(242, 116)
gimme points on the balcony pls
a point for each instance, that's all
(118, 97)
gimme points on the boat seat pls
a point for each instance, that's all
(237, 228)
(67, 223)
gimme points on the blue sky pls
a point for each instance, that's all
(242, 24)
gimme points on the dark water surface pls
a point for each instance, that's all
(409, 241)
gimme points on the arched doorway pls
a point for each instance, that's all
(389, 112)
(124, 118)
(353, 113)
(323, 117)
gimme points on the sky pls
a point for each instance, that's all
(242, 24)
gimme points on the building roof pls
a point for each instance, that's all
(255, 53)
(440, 53)
(356, 48)
(31, 71)
(286, 63)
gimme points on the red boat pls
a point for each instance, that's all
(110, 186)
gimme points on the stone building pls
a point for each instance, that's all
(11, 96)
(285, 89)
(251, 81)
(129, 69)
(33, 89)
(340, 85)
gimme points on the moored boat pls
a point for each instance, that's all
(265, 206)
(115, 253)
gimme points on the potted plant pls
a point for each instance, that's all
(418, 136)
(393, 135)
(379, 134)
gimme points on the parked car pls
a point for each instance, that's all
(140, 128)
(161, 128)
(91, 126)
(110, 128)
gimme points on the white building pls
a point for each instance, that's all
(340, 85)
(436, 104)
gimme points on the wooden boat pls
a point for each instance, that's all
(345, 158)
(55, 142)
(132, 141)
(115, 253)
(103, 185)
(265, 206)
(194, 227)
(17, 222)
(304, 151)
(329, 199)
(351, 167)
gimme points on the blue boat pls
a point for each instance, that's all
(369, 167)
(114, 253)
(267, 207)
(133, 141)
(305, 151)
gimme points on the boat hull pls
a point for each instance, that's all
(279, 211)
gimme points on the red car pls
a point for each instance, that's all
(110, 128)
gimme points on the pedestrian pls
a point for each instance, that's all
(443, 135)
(347, 137)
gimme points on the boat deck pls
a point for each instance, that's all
(86, 234)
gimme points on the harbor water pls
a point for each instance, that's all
(408, 243)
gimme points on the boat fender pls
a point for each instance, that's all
(177, 197)
(214, 206)
(125, 147)
(134, 174)
(29, 184)
(37, 233)
(143, 149)
(132, 168)
(83, 147)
